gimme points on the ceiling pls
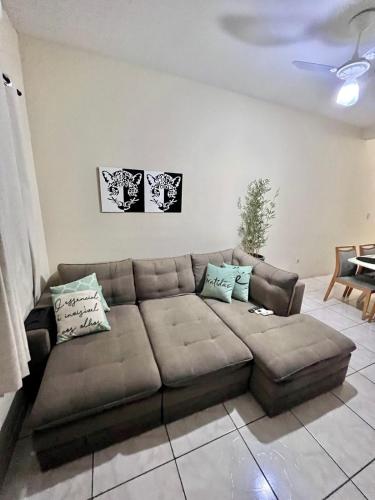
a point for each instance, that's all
(246, 46)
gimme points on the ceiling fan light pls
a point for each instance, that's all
(348, 94)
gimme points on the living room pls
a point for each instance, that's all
(139, 126)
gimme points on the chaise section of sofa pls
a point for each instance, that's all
(295, 357)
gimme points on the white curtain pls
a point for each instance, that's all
(23, 257)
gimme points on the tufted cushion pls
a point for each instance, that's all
(155, 278)
(283, 347)
(189, 340)
(269, 286)
(200, 261)
(90, 374)
(115, 277)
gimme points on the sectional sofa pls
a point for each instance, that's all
(171, 352)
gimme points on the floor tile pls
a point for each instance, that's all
(293, 462)
(313, 284)
(369, 372)
(162, 483)
(24, 478)
(123, 461)
(347, 492)
(361, 358)
(335, 297)
(349, 311)
(221, 470)
(344, 435)
(349, 371)
(358, 392)
(332, 318)
(244, 409)
(309, 304)
(363, 334)
(326, 279)
(365, 481)
(317, 299)
(200, 428)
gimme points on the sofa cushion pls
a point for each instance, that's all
(79, 313)
(156, 278)
(115, 277)
(90, 374)
(89, 282)
(189, 340)
(219, 283)
(242, 281)
(200, 261)
(269, 286)
(283, 346)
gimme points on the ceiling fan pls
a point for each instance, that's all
(355, 68)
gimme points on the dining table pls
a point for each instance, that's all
(368, 265)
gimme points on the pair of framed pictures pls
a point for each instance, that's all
(128, 190)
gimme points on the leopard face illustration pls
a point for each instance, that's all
(123, 188)
(163, 190)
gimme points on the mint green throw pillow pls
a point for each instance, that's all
(242, 281)
(89, 282)
(219, 283)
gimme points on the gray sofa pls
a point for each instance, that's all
(171, 352)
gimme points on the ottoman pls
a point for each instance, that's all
(295, 357)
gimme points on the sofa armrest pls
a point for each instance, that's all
(45, 300)
(296, 304)
(39, 345)
(269, 286)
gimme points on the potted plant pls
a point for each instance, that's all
(257, 211)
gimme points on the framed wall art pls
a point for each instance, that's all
(125, 190)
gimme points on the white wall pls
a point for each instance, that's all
(370, 148)
(87, 111)
(10, 64)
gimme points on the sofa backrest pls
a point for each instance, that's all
(116, 278)
(157, 278)
(269, 286)
(200, 261)
(126, 281)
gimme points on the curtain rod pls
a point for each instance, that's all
(8, 83)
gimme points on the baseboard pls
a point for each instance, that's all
(10, 431)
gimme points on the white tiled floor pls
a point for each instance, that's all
(322, 448)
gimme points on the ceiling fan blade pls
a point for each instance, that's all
(370, 54)
(309, 66)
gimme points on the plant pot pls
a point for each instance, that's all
(258, 256)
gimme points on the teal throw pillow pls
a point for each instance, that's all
(242, 281)
(78, 313)
(219, 283)
(89, 282)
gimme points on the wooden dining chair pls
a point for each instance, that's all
(368, 249)
(346, 274)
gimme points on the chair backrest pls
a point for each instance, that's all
(343, 267)
(367, 249)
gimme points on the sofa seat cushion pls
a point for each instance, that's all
(90, 374)
(283, 347)
(189, 340)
